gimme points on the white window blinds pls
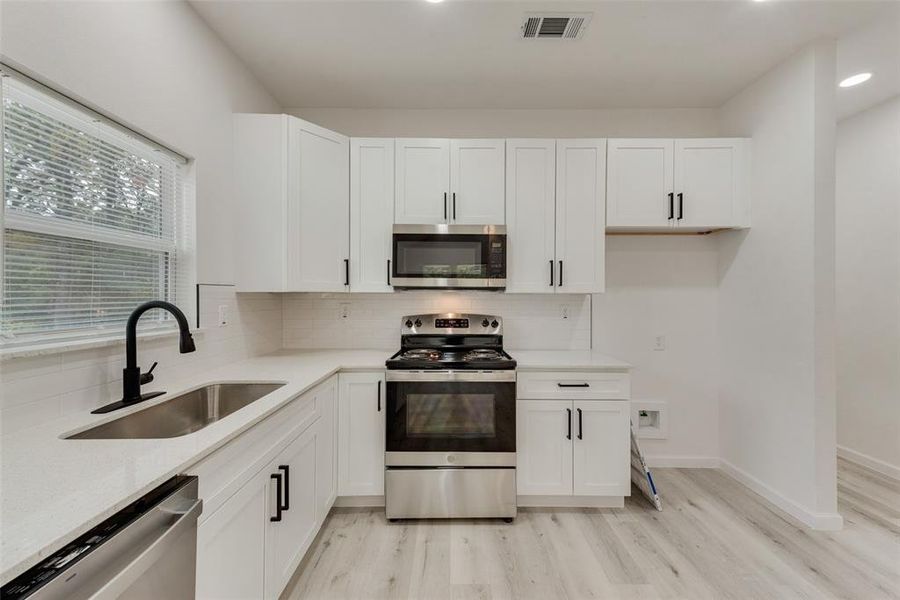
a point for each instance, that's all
(95, 221)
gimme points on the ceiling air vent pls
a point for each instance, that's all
(555, 26)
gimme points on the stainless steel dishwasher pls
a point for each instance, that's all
(146, 550)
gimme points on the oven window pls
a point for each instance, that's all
(460, 258)
(442, 415)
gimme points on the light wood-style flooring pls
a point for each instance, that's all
(714, 539)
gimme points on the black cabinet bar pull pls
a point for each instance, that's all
(569, 419)
(379, 395)
(346, 271)
(680, 206)
(445, 206)
(671, 206)
(551, 273)
(580, 431)
(389, 272)
(454, 206)
(573, 385)
(560, 273)
(277, 478)
(287, 486)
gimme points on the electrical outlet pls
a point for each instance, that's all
(659, 342)
(345, 310)
(223, 315)
(564, 311)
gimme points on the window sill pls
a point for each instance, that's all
(60, 346)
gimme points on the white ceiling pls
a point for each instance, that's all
(467, 53)
(874, 48)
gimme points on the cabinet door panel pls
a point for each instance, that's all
(326, 448)
(287, 540)
(707, 173)
(602, 448)
(422, 181)
(640, 179)
(371, 213)
(361, 431)
(544, 450)
(319, 210)
(580, 215)
(231, 545)
(477, 182)
(530, 215)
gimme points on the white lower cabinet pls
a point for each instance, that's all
(573, 448)
(231, 545)
(601, 448)
(252, 543)
(361, 431)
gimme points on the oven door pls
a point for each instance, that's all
(449, 256)
(450, 418)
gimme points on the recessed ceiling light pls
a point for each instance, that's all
(855, 80)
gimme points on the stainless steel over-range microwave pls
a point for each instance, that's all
(449, 256)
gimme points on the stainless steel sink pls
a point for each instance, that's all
(182, 414)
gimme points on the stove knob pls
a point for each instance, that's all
(485, 323)
(418, 323)
(495, 324)
(408, 323)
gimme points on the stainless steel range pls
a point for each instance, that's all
(451, 420)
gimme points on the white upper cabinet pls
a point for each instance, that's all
(580, 215)
(710, 182)
(640, 182)
(423, 181)
(371, 213)
(449, 181)
(531, 216)
(687, 184)
(292, 211)
(476, 182)
(319, 217)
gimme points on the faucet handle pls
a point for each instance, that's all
(148, 376)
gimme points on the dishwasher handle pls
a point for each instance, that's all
(121, 581)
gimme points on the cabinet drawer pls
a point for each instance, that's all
(573, 385)
(228, 468)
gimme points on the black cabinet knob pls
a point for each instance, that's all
(408, 323)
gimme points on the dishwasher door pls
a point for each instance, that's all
(146, 550)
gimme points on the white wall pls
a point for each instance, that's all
(682, 122)
(868, 286)
(530, 322)
(158, 67)
(666, 285)
(776, 293)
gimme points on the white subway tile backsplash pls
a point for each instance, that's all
(373, 320)
(34, 389)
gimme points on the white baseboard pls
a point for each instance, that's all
(359, 502)
(870, 462)
(820, 521)
(570, 501)
(684, 462)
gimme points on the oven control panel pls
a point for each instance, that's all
(451, 323)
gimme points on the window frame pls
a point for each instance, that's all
(177, 243)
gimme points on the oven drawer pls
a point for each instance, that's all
(573, 385)
(449, 493)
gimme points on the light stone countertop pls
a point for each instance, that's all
(52, 490)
